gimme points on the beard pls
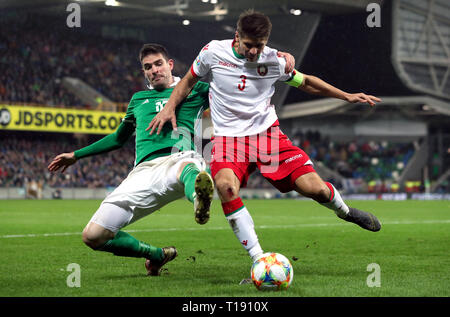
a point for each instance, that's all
(161, 84)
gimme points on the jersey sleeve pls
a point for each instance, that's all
(129, 116)
(203, 62)
(112, 141)
(203, 88)
(282, 65)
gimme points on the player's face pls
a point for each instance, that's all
(251, 48)
(158, 71)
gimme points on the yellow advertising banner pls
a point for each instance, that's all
(49, 119)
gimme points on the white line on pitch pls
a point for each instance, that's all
(56, 234)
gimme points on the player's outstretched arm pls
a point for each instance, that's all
(63, 161)
(181, 90)
(314, 85)
(106, 144)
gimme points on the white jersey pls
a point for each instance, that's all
(240, 91)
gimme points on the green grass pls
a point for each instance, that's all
(332, 256)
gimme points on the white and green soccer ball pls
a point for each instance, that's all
(272, 272)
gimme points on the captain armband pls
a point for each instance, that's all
(296, 79)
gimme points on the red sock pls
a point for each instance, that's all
(233, 206)
(336, 202)
(331, 190)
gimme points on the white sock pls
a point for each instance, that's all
(336, 204)
(243, 227)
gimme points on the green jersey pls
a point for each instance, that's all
(143, 107)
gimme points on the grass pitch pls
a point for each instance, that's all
(39, 239)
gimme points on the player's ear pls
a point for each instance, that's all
(171, 63)
(236, 36)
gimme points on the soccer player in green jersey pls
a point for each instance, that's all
(166, 165)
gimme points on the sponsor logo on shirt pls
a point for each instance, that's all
(262, 70)
(293, 158)
(227, 64)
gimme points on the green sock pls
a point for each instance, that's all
(187, 177)
(124, 244)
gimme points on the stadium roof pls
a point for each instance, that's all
(410, 105)
(167, 12)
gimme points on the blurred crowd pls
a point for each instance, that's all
(25, 159)
(365, 166)
(38, 59)
(367, 160)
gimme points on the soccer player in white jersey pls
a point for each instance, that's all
(246, 129)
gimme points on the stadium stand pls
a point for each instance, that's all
(39, 59)
(358, 162)
(357, 159)
(364, 166)
(24, 158)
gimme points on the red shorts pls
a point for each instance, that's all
(271, 151)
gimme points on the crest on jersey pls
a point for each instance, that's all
(262, 70)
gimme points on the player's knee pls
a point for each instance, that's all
(226, 188)
(92, 239)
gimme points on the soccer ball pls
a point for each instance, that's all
(272, 272)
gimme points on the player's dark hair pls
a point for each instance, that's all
(254, 24)
(152, 48)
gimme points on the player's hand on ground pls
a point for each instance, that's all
(63, 161)
(363, 98)
(290, 61)
(160, 119)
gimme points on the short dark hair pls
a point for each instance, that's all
(152, 48)
(254, 24)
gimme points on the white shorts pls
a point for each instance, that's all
(147, 188)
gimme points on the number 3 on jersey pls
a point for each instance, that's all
(243, 78)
